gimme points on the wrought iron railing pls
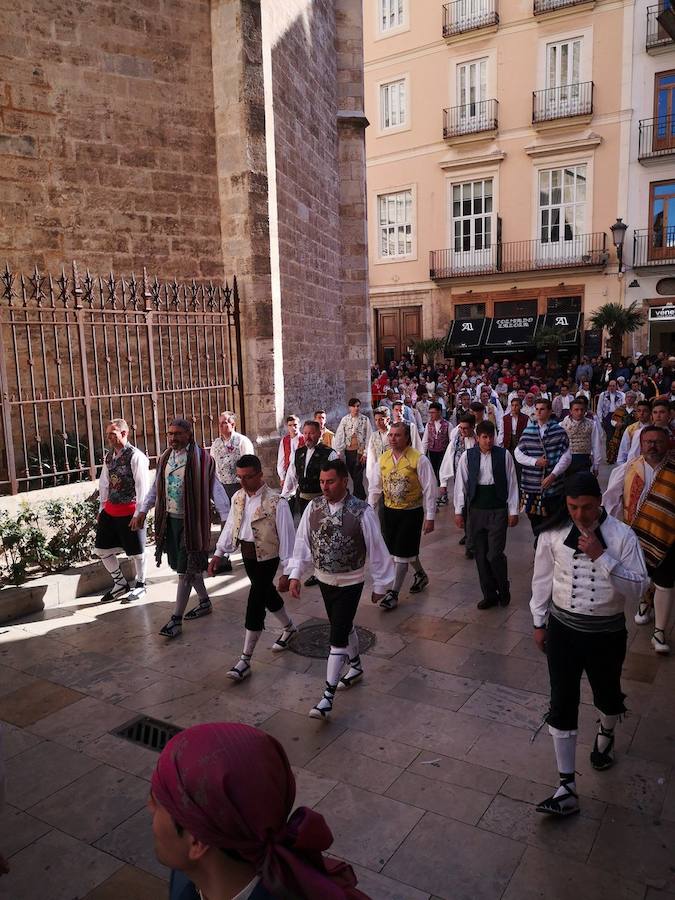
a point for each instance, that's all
(544, 6)
(468, 15)
(656, 137)
(77, 351)
(656, 35)
(563, 102)
(585, 250)
(654, 247)
(472, 118)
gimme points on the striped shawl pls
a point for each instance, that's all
(555, 442)
(653, 519)
(199, 474)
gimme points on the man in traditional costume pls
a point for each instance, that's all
(260, 524)
(585, 571)
(584, 438)
(122, 488)
(326, 434)
(643, 490)
(461, 438)
(288, 445)
(351, 438)
(643, 412)
(408, 483)
(622, 417)
(435, 441)
(336, 534)
(185, 484)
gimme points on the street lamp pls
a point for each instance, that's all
(619, 229)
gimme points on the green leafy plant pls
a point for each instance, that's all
(428, 348)
(619, 321)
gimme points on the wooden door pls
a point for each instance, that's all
(664, 111)
(397, 330)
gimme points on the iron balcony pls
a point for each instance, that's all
(461, 16)
(656, 138)
(583, 251)
(544, 6)
(656, 35)
(471, 118)
(564, 102)
(654, 247)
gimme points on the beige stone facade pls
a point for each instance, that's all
(497, 147)
(202, 139)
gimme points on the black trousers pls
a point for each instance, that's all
(486, 535)
(341, 604)
(436, 458)
(581, 462)
(263, 595)
(356, 470)
(570, 653)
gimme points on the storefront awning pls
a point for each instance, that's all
(516, 331)
(465, 335)
(567, 324)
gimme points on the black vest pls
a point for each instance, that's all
(308, 483)
(498, 473)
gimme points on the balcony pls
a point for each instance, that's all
(545, 6)
(656, 138)
(463, 16)
(584, 251)
(658, 38)
(470, 119)
(569, 101)
(653, 248)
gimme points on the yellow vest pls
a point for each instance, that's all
(400, 482)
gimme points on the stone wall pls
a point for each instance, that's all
(107, 151)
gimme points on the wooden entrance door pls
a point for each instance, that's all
(397, 329)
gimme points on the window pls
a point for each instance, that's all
(664, 111)
(563, 305)
(391, 14)
(472, 90)
(470, 311)
(472, 216)
(395, 224)
(509, 309)
(563, 64)
(662, 219)
(393, 104)
(562, 204)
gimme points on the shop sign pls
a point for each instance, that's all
(662, 313)
(512, 331)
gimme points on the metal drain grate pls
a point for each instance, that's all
(312, 640)
(147, 732)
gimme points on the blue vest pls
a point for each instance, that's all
(498, 455)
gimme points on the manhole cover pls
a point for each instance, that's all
(312, 640)
(150, 733)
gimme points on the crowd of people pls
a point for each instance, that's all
(495, 439)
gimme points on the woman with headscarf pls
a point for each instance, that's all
(221, 798)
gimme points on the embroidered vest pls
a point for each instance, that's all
(336, 541)
(226, 455)
(437, 441)
(553, 445)
(122, 487)
(308, 479)
(579, 434)
(263, 523)
(501, 487)
(400, 482)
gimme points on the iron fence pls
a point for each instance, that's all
(656, 35)
(562, 102)
(584, 250)
(468, 15)
(77, 351)
(471, 118)
(656, 137)
(654, 247)
(544, 6)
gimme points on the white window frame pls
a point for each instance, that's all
(393, 192)
(567, 207)
(484, 256)
(403, 81)
(585, 35)
(402, 24)
(472, 111)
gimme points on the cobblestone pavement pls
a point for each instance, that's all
(427, 772)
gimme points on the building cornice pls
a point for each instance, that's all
(472, 162)
(560, 148)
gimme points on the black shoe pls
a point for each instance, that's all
(504, 600)
(487, 602)
(603, 759)
(312, 581)
(468, 554)
(420, 581)
(225, 565)
(463, 541)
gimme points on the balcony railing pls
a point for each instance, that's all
(656, 36)
(472, 118)
(654, 247)
(564, 102)
(468, 15)
(544, 6)
(656, 137)
(585, 250)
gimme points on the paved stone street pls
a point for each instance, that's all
(426, 773)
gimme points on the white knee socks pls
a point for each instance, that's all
(337, 659)
(565, 747)
(250, 640)
(112, 564)
(401, 569)
(139, 566)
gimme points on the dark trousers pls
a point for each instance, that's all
(486, 536)
(356, 470)
(570, 653)
(436, 458)
(263, 595)
(581, 462)
(341, 604)
(555, 508)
